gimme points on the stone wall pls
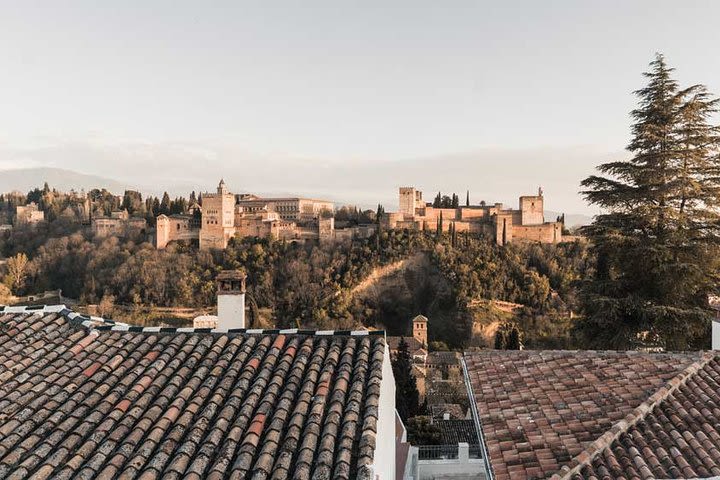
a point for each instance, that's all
(545, 233)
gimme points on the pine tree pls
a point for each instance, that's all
(656, 242)
(437, 201)
(407, 397)
(467, 198)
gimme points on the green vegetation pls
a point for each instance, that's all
(307, 284)
(407, 397)
(422, 432)
(656, 243)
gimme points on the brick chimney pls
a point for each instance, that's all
(231, 299)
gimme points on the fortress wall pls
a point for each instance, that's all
(545, 233)
(473, 213)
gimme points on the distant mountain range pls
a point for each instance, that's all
(491, 174)
(571, 220)
(25, 179)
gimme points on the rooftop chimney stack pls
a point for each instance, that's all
(715, 305)
(231, 299)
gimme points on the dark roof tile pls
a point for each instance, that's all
(83, 403)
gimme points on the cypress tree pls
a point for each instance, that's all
(467, 198)
(656, 241)
(437, 201)
(165, 204)
(407, 397)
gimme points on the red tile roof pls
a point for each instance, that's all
(675, 434)
(541, 409)
(79, 402)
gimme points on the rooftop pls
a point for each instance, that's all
(455, 431)
(589, 414)
(84, 397)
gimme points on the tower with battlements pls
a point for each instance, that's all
(218, 218)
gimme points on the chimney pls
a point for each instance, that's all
(715, 305)
(231, 299)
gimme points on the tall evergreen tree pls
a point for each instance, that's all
(407, 397)
(437, 201)
(165, 204)
(656, 242)
(467, 198)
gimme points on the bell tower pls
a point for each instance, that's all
(420, 329)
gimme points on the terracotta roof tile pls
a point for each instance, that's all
(677, 435)
(541, 409)
(78, 402)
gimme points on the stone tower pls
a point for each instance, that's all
(218, 218)
(231, 299)
(531, 210)
(420, 329)
(410, 199)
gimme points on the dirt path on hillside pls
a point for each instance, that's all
(381, 272)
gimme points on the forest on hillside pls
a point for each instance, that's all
(304, 284)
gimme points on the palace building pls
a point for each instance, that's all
(224, 215)
(506, 225)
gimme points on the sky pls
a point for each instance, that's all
(184, 92)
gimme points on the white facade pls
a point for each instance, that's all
(231, 310)
(463, 467)
(384, 460)
(716, 334)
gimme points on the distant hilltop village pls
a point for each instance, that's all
(527, 223)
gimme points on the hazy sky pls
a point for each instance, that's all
(336, 81)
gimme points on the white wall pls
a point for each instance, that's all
(384, 463)
(231, 311)
(716, 334)
(470, 468)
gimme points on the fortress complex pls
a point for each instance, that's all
(224, 215)
(118, 223)
(290, 209)
(505, 225)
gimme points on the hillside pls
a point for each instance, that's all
(398, 291)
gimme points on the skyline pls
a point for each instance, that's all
(144, 93)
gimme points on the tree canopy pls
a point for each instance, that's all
(656, 241)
